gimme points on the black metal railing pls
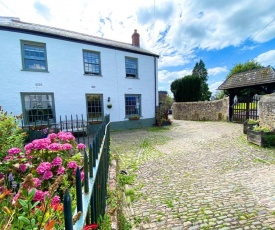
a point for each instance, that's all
(83, 129)
(91, 200)
(245, 108)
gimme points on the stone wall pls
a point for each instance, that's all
(202, 110)
(267, 111)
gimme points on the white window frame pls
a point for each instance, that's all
(132, 105)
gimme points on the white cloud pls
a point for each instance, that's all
(217, 71)
(215, 25)
(173, 60)
(165, 76)
(213, 87)
(267, 58)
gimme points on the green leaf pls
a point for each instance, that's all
(33, 222)
(35, 204)
(23, 203)
(24, 219)
(31, 194)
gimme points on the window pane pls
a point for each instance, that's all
(131, 67)
(94, 107)
(132, 105)
(35, 64)
(34, 57)
(91, 62)
(38, 108)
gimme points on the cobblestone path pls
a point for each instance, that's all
(197, 175)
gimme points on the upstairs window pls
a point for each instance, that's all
(132, 105)
(94, 107)
(131, 67)
(34, 56)
(91, 62)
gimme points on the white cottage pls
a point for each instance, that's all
(48, 72)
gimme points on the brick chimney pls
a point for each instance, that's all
(135, 38)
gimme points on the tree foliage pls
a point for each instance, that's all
(193, 87)
(186, 89)
(200, 71)
(242, 67)
(10, 134)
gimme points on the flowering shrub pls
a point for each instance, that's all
(33, 181)
(10, 134)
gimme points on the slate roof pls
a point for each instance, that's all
(14, 24)
(253, 77)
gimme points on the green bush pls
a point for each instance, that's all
(10, 134)
(262, 129)
(252, 122)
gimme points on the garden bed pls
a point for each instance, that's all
(261, 138)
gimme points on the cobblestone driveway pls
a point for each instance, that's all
(197, 175)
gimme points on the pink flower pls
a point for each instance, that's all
(14, 151)
(15, 198)
(8, 158)
(70, 136)
(37, 182)
(40, 195)
(57, 161)
(28, 151)
(29, 147)
(60, 170)
(39, 144)
(2, 175)
(43, 167)
(82, 175)
(72, 165)
(65, 136)
(67, 146)
(52, 136)
(22, 168)
(47, 175)
(55, 200)
(54, 147)
(81, 146)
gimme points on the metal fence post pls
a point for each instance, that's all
(91, 160)
(86, 177)
(68, 211)
(78, 191)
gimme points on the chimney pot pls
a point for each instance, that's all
(135, 38)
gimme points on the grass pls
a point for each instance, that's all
(138, 149)
(169, 203)
(252, 105)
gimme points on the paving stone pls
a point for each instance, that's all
(204, 170)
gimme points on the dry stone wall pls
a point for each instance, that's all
(267, 111)
(202, 110)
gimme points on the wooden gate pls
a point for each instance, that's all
(245, 107)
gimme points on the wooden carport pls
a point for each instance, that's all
(245, 87)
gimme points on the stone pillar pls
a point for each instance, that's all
(267, 111)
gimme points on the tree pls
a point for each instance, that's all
(242, 67)
(186, 89)
(238, 68)
(200, 71)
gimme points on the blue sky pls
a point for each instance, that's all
(221, 33)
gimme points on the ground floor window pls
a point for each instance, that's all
(94, 107)
(38, 108)
(132, 105)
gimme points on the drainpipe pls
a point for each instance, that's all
(155, 68)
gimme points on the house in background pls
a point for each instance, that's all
(48, 72)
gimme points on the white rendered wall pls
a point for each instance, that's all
(66, 77)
